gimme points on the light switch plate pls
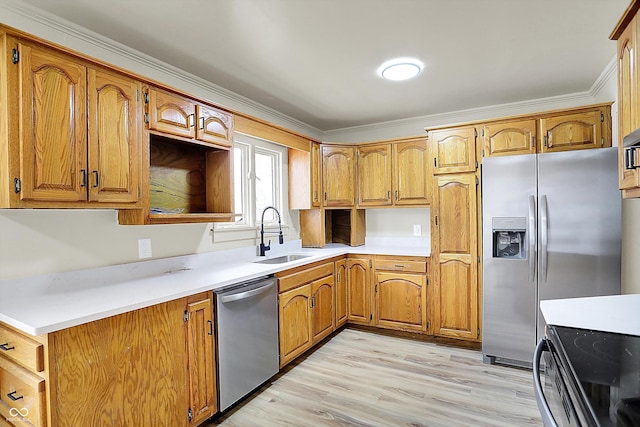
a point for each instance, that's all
(417, 230)
(144, 248)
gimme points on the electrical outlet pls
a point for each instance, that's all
(417, 230)
(144, 248)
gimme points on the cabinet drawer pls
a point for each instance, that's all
(23, 392)
(401, 265)
(305, 276)
(21, 349)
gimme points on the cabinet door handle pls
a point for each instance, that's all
(315, 196)
(201, 123)
(83, 182)
(389, 194)
(13, 396)
(192, 120)
(396, 194)
(210, 322)
(97, 179)
(338, 277)
(629, 158)
(5, 346)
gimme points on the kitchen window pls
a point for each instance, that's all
(258, 182)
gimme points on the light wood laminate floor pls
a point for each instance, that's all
(366, 379)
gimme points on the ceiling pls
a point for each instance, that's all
(316, 60)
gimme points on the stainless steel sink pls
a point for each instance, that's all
(282, 259)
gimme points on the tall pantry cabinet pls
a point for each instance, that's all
(627, 34)
(454, 233)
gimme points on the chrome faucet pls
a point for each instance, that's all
(264, 248)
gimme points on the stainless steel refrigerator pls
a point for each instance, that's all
(551, 229)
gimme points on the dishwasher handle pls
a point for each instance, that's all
(543, 406)
(247, 294)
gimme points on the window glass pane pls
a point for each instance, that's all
(239, 178)
(265, 186)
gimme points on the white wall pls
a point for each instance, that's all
(397, 222)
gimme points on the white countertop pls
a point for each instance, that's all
(48, 303)
(614, 313)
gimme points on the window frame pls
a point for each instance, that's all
(250, 220)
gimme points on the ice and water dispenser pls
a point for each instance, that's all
(509, 237)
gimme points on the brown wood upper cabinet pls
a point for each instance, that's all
(393, 174)
(575, 129)
(175, 115)
(77, 138)
(339, 175)
(305, 177)
(374, 175)
(454, 150)
(411, 173)
(509, 138)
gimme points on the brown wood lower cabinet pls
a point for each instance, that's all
(306, 308)
(341, 296)
(203, 397)
(152, 366)
(388, 292)
(359, 290)
(401, 293)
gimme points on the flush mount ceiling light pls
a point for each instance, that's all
(400, 69)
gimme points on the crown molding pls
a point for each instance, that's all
(36, 21)
(610, 71)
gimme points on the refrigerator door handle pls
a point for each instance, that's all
(533, 232)
(544, 237)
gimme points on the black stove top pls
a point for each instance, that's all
(606, 367)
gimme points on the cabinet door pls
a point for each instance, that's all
(171, 114)
(124, 370)
(341, 292)
(454, 150)
(295, 323)
(323, 308)
(573, 132)
(214, 126)
(401, 301)
(411, 173)
(202, 366)
(53, 126)
(316, 174)
(359, 290)
(338, 175)
(374, 175)
(456, 257)
(114, 136)
(628, 108)
(509, 138)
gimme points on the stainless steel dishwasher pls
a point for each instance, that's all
(247, 323)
